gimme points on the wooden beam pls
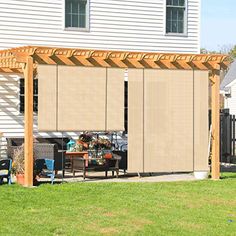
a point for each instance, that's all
(102, 58)
(28, 147)
(215, 109)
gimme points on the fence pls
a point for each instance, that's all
(227, 136)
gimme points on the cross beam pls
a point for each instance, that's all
(100, 58)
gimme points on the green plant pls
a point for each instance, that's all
(86, 137)
(101, 143)
(78, 148)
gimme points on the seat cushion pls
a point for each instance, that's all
(3, 172)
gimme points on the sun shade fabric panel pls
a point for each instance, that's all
(201, 85)
(47, 98)
(168, 121)
(135, 120)
(82, 99)
(115, 99)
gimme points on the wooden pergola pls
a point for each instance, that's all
(25, 60)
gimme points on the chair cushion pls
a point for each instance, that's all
(3, 172)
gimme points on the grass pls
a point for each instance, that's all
(180, 208)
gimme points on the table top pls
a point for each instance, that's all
(76, 153)
(97, 158)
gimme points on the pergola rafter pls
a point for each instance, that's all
(25, 60)
(13, 58)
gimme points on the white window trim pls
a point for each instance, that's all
(86, 29)
(19, 97)
(185, 34)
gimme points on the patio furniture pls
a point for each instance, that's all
(45, 168)
(70, 156)
(5, 170)
(43, 148)
(90, 164)
(123, 165)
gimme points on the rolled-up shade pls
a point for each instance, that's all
(82, 98)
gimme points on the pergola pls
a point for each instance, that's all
(25, 60)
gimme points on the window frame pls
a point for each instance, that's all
(86, 28)
(20, 95)
(185, 33)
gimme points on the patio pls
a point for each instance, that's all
(123, 178)
(181, 74)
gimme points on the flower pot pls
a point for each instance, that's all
(108, 156)
(20, 179)
(200, 175)
(85, 145)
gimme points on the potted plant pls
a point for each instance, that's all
(18, 165)
(101, 143)
(84, 140)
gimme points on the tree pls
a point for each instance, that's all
(224, 49)
(232, 52)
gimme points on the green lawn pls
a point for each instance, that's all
(183, 208)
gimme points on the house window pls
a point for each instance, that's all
(22, 96)
(176, 16)
(76, 14)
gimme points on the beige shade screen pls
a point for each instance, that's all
(168, 120)
(201, 120)
(115, 99)
(83, 98)
(135, 120)
(47, 98)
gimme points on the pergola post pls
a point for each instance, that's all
(215, 109)
(28, 147)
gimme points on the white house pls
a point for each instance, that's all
(136, 25)
(228, 89)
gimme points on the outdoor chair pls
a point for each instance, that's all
(43, 148)
(5, 170)
(45, 168)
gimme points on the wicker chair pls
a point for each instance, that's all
(41, 150)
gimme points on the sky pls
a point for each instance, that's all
(218, 24)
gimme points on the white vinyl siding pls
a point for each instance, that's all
(137, 25)
(230, 102)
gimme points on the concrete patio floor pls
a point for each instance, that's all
(100, 177)
(95, 177)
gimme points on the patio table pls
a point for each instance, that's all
(81, 162)
(71, 155)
